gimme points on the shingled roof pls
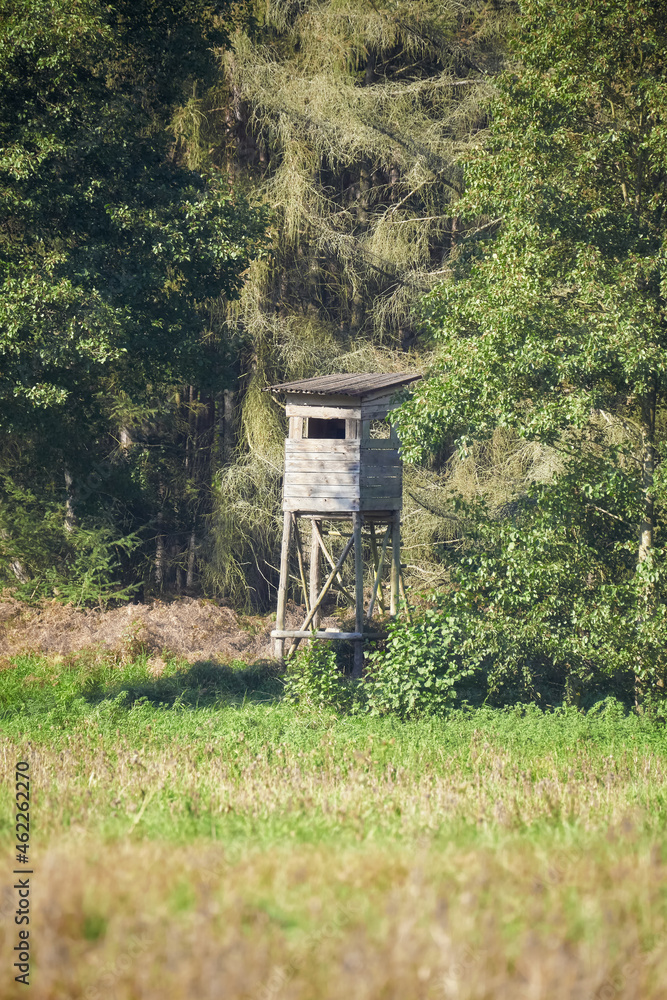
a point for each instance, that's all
(357, 384)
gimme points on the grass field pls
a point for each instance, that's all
(194, 836)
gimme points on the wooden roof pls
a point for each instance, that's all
(357, 384)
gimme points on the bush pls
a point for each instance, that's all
(315, 680)
(40, 558)
(545, 604)
(417, 671)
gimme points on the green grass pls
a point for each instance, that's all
(46, 702)
(199, 813)
(201, 728)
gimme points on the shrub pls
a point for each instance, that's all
(417, 671)
(314, 678)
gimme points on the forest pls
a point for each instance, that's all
(203, 199)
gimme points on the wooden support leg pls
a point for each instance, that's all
(376, 561)
(404, 597)
(395, 564)
(279, 644)
(299, 554)
(315, 569)
(358, 595)
(378, 572)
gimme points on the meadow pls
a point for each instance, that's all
(194, 835)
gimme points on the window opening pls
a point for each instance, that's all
(331, 429)
(380, 430)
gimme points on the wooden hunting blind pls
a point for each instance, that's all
(341, 464)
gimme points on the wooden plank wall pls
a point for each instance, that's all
(359, 473)
(321, 476)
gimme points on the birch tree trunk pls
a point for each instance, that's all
(648, 469)
(159, 553)
(647, 526)
(70, 520)
(190, 576)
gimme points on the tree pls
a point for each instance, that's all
(349, 117)
(110, 248)
(553, 320)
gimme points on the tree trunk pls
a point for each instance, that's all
(647, 526)
(15, 566)
(70, 520)
(648, 468)
(192, 426)
(159, 553)
(225, 447)
(190, 576)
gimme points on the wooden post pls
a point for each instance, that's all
(279, 644)
(299, 555)
(379, 566)
(404, 597)
(358, 595)
(314, 581)
(374, 550)
(395, 564)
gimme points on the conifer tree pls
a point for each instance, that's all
(350, 118)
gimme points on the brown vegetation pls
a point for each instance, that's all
(498, 913)
(188, 628)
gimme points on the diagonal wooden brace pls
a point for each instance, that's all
(323, 593)
(329, 559)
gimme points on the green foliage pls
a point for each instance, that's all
(552, 325)
(420, 666)
(315, 680)
(537, 609)
(43, 556)
(110, 250)
(114, 246)
(561, 312)
(89, 571)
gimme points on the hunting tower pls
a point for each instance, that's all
(341, 464)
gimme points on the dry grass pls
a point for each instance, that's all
(147, 920)
(189, 628)
(243, 850)
(225, 785)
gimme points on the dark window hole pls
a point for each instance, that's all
(331, 429)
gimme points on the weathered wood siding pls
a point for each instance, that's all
(333, 476)
(321, 476)
(342, 476)
(381, 476)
